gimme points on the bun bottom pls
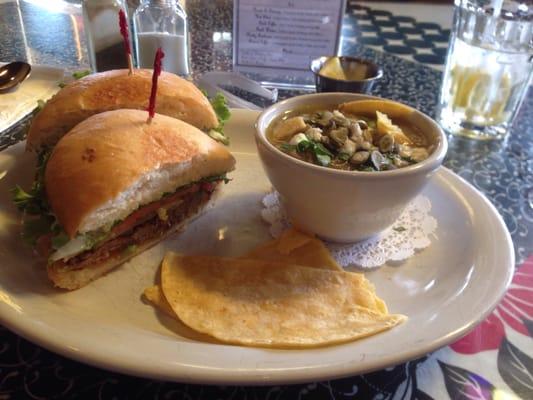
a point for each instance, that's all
(71, 279)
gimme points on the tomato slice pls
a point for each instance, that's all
(149, 209)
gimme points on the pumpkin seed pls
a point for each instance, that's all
(348, 147)
(360, 157)
(367, 135)
(362, 123)
(386, 143)
(339, 135)
(366, 145)
(355, 131)
(314, 134)
(379, 160)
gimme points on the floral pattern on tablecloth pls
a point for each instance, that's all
(493, 339)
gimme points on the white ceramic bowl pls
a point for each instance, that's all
(344, 206)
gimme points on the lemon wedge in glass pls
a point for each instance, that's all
(482, 96)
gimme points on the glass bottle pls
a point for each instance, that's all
(162, 23)
(102, 29)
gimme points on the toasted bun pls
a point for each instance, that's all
(114, 162)
(111, 90)
(71, 279)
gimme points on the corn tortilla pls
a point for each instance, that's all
(294, 247)
(155, 296)
(266, 304)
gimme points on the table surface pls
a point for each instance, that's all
(493, 361)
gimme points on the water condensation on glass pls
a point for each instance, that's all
(488, 67)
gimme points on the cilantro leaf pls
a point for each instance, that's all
(287, 147)
(322, 155)
(320, 149)
(344, 156)
(304, 145)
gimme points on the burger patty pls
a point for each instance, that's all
(185, 204)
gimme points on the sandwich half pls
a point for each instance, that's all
(116, 185)
(116, 89)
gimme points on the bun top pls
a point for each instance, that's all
(114, 162)
(116, 89)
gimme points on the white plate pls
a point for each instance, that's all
(40, 85)
(445, 290)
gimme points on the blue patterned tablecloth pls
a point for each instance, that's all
(494, 361)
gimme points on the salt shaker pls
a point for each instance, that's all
(162, 23)
(104, 42)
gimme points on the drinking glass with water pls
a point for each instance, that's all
(488, 68)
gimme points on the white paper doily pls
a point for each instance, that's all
(411, 232)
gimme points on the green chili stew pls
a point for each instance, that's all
(366, 142)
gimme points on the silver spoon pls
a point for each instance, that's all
(13, 74)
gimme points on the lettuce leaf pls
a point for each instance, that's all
(38, 219)
(221, 108)
(132, 248)
(34, 228)
(218, 136)
(34, 201)
(40, 105)
(223, 114)
(80, 74)
(60, 240)
(76, 75)
(20, 197)
(215, 178)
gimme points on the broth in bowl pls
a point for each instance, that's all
(366, 135)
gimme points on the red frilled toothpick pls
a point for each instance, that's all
(155, 75)
(125, 35)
